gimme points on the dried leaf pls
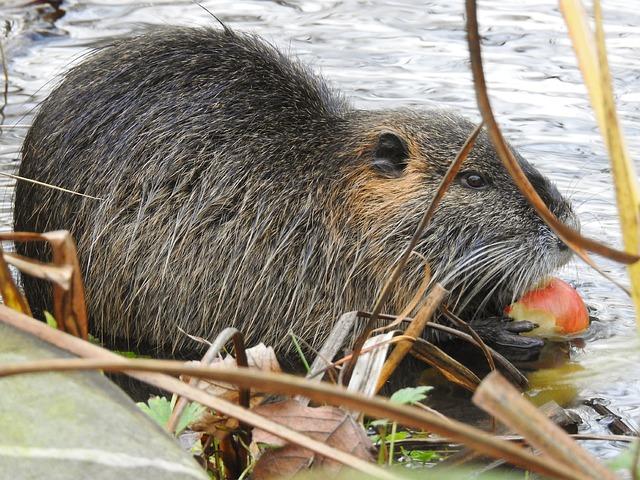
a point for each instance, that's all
(330, 425)
(69, 307)
(10, 293)
(259, 357)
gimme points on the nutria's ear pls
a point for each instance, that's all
(390, 156)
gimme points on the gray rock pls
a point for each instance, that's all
(77, 425)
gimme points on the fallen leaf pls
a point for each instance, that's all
(330, 425)
(259, 357)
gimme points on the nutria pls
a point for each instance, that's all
(238, 189)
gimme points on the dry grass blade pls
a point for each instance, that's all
(572, 238)
(496, 396)
(415, 329)
(274, 383)
(453, 170)
(47, 185)
(95, 354)
(11, 295)
(592, 58)
(448, 366)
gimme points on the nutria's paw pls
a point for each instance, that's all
(503, 333)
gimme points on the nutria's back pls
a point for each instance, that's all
(239, 190)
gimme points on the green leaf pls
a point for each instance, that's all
(410, 395)
(422, 456)
(127, 354)
(159, 408)
(401, 435)
(191, 414)
(50, 320)
(296, 344)
(379, 423)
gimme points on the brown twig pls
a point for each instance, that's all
(569, 236)
(458, 322)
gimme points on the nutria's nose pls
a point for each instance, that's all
(553, 199)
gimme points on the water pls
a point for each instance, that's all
(387, 54)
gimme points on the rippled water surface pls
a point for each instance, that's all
(393, 53)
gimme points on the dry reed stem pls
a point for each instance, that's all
(449, 367)
(591, 53)
(498, 397)
(415, 329)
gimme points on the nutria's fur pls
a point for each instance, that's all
(239, 190)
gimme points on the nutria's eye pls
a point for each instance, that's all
(473, 180)
(390, 156)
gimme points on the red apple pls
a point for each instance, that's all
(555, 306)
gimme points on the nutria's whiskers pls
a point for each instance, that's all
(240, 190)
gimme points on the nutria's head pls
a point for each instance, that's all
(485, 243)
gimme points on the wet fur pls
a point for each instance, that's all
(239, 190)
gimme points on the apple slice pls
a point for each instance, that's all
(555, 306)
